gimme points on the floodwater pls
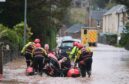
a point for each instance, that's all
(110, 66)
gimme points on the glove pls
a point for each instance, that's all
(82, 62)
(64, 59)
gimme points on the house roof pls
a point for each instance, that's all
(116, 9)
(98, 14)
(75, 28)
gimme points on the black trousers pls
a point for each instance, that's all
(29, 59)
(38, 64)
(86, 67)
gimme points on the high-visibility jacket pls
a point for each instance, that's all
(77, 55)
(28, 48)
(39, 52)
(73, 52)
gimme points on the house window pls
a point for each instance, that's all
(85, 31)
(78, 3)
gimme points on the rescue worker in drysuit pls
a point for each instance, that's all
(84, 60)
(27, 52)
(39, 56)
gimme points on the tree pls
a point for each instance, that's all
(44, 16)
(100, 3)
(124, 2)
(125, 35)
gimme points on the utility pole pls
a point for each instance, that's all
(25, 21)
(1, 55)
(89, 10)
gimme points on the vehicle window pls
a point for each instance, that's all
(69, 44)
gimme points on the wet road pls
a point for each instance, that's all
(110, 66)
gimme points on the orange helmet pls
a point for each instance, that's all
(37, 40)
(75, 43)
(74, 72)
(37, 45)
(29, 70)
(80, 45)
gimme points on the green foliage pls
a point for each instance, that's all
(8, 34)
(111, 39)
(14, 35)
(19, 29)
(125, 2)
(103, 4)
(100, 3)
(42, 15)
(125, 37)
(110, 5)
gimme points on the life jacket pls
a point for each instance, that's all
(85, 55)
(38, 52)
(29, 49)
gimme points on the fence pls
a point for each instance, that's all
(7, 54)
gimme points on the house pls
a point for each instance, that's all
(96, 17)
(114, 20)
(75, 30)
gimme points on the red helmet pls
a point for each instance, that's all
(37, 40)
(80, 45)
(74, 72)
(29, 70)
(37, 45)
(75, 43)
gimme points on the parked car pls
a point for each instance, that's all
(67, 44)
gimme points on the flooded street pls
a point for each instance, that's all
(110, 66)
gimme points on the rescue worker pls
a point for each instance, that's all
(46, 47)
(74, 51)
(84, 59)
(79, 46)
(48, 50)
(39, 56)
(27, 52)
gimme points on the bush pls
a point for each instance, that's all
(15, 35)
(19, 29)
(111, 39)
(124, 41)
(127, 45)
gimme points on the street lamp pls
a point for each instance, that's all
(25, 21)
